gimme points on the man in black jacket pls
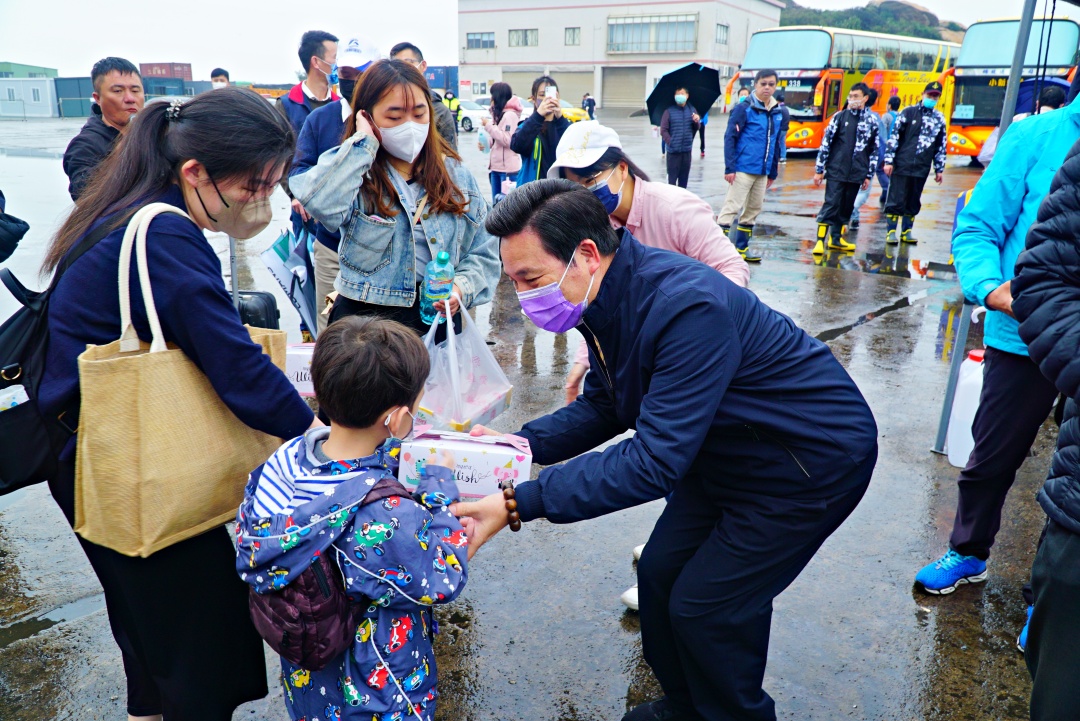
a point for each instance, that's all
(12, 230)
(848, 155)
(916, 141)
(1046, 301)
(118, 95)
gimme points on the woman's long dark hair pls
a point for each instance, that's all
(234, 132)
(386, 76)
(500, 96)
(607, 161)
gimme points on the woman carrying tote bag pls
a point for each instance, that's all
(180, 615)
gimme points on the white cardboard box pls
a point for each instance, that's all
(298, 367)
(480, 462)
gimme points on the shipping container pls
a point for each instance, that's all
(73, 96)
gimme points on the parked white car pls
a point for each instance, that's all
(484, 101)
(472, 115)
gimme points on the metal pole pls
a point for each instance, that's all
(233, 279)
(1016, 72)
(958, 354)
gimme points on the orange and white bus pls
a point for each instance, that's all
(817, 67)
(982, 72)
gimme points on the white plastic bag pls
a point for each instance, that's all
(466, 386)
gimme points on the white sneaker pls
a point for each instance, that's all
(629, 598)
(637, 552)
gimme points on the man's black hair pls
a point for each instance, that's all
(762, 74)
(107, 65)
(311, 43)
(861, 87)
(218, 72)
(1052, 96)
(402, 47)
(894, 102)
(561, 212)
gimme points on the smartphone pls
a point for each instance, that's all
(551, 92)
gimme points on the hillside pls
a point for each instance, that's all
(896, 17)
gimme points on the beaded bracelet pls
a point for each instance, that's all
(507, 487)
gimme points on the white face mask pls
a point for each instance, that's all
(218, 84)
(405, 141)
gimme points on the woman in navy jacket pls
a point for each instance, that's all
(180, 616)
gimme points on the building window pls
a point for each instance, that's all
(35, 75)
(11, 93)
(573, 36)
(721, 34)
(480, 41)
(7, 74)
(35, 94)
(652, 34)
(524, 38)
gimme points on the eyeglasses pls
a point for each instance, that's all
(411, 61)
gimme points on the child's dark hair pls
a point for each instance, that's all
(364, 366)
(894, 102)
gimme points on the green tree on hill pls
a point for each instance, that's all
(876, 18)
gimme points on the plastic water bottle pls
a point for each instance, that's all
(958, 439)
(485, 141)
(438, 284)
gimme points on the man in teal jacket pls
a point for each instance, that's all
(1016, 398)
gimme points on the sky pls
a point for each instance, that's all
(962, 11)
(258, 42)
(253, 41)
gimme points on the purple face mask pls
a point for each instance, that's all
(549, 309)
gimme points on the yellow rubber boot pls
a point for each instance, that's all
(837, 241)
(822, 237)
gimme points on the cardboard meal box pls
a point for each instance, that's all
(298, 367)
(480, 463)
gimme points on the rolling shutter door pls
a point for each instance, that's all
(624, 87)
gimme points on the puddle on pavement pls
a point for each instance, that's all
(21, 630)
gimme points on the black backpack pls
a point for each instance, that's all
(30, 442)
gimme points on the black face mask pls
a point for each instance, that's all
(346, 87)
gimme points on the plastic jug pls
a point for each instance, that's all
(958, 439)
(438, 284)
(484, 140)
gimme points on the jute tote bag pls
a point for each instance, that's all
(160, 456)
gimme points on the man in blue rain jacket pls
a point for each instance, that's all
(1016, 398)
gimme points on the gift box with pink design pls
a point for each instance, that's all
(480, 462)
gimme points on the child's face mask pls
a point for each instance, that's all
(390, 430)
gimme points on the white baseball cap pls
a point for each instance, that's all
(583, 144)
(354, 53)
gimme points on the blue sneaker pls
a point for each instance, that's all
(1021, 643)
(951, 570)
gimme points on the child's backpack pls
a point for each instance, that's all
(311, 621)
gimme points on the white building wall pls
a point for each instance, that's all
(17, 98)
(551, 55)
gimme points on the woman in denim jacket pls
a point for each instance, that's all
(399, 195)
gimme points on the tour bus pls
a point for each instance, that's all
(817, 67)
(982, 72)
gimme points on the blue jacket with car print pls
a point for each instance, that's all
(398, 557)
(861, 162)
(916, 142)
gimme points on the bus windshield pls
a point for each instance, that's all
(788, 50)
(991, 44)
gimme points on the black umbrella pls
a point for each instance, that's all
(701, 82)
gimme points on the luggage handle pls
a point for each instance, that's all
(135, 235)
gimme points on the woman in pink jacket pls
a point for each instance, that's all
(661, 215)
(505, 114)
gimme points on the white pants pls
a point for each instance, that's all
(326, 265)
(744, 200)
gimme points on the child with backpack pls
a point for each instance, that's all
(345, 563)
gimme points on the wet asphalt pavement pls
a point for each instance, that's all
(539, 633)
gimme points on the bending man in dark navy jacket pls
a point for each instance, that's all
(759, 434)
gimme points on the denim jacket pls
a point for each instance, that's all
(378, 259)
